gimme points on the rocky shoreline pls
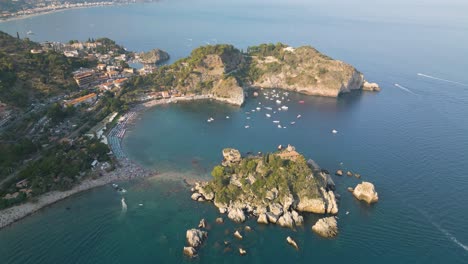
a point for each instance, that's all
(126, 170)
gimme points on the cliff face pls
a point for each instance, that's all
(307, 71)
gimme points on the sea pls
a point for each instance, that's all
(410, 139)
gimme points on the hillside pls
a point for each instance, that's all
(302, 69)
(205, 71)
(25, 77)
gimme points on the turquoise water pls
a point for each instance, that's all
(411, 142)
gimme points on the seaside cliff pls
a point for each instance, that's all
(273, 187)
(222, 72)
(304, 70)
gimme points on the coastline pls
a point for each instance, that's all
(56, 11)
(126, 170)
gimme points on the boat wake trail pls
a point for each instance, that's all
(445, 232)
(440, 79)
(405, 89)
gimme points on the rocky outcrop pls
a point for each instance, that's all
(190, 251)
(236, 215)
(154, 56)
(237, 235)
(367, 86)
(366, 192)
(321, 205)
(242, 251)
(307, 71)
(195, 237)
(339, 173)
(292, 242)
(231, 156)
(262, 219)
(202, 223)
(219, 220)
(275, 200)
(326, 227)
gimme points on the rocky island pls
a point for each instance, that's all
(275, 188)
(154, 56)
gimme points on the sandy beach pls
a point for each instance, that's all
(126, 170)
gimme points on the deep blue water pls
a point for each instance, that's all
(411, 143)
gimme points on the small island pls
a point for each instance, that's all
(274, 187)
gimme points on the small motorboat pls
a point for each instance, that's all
(276, 121)
(334, 131)
(279, 126)
(268, 115)
(292, 123)
(284, 107)
(258, 108)
(268, 108)
(278, 101)
(246, 126)
(301, 101)
(298, 116)
(115, 186)
(210, 120)
(227, 117)
(248, 117)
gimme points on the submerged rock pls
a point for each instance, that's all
(326, 227)
(366, 192)
(219, 220)
(202, 223)
(348, 173)
(339, 173)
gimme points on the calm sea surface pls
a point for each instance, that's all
(410, 140)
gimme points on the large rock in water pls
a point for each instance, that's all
(326, 227)
(366, 192)
(154, 56)
(262, 219)
(236, 215)
(190, 251)
(307, 71)
(195, 237)
(286, 220)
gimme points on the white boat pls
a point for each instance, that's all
(274, 112)
(284, 107)
(292, 123)
(347, 212)
(279, 126)
(258, 108)
(298, 116)
(210, 120)
(268, 115)
(268, 108)
(276, 121)
(248, 117)
(334, 131)
(278, 101)
(253, 111)
(227, 117)
(279, 108)
(246, 126)
(115, 185)
(259, 103)
(30, 32)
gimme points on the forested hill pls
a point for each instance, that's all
(27, 77)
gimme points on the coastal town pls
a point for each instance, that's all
(20, 8)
